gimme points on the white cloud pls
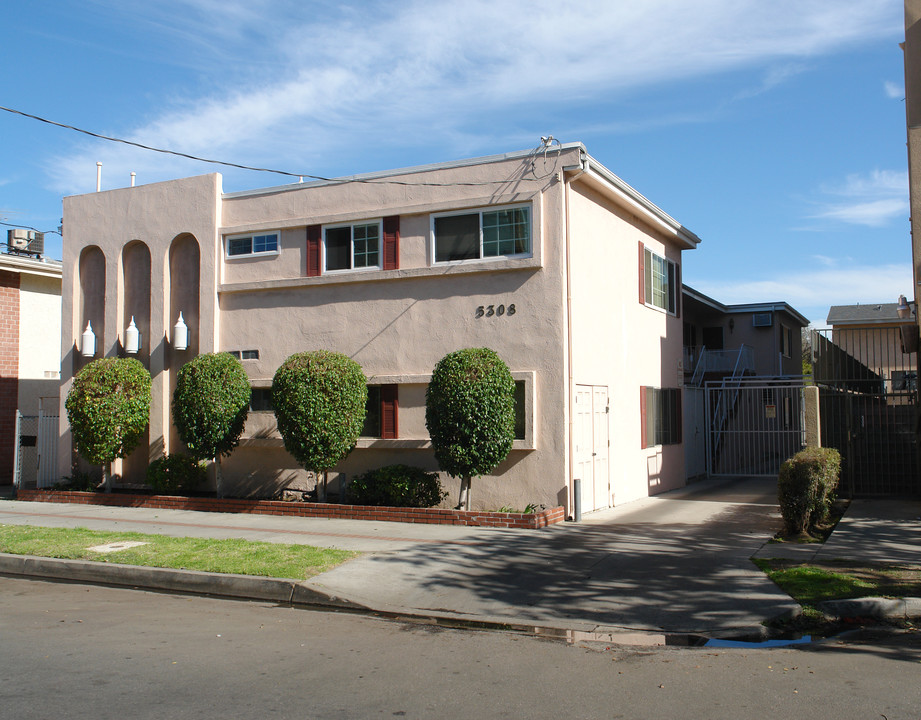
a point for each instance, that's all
(309, 80)
(871, 200)
(894, 91)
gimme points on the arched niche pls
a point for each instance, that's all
(182, 293)
(91, 302)
(134, 301)
(134, 295)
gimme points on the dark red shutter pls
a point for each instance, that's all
(679, 418)
(390, 406)
(313, 250)
(642, 275)
(643, 443)
(392, 242)
(678, 293)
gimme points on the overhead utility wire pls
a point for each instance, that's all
(29, 227)
(370, 181)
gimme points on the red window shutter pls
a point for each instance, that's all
(678, 293)
(313, 250)
(642, 276)
(390, 406)
(643, 438)
(392, 242)
(679, 417)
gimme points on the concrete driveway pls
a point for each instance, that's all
(678, 562)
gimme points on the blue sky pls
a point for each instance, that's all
(773, 130)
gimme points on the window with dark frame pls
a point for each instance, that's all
(662, 421)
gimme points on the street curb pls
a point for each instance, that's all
(874, 607)
(241, 587)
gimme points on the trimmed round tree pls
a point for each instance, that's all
(319, 399)
(470, 414)
(210, 405)
(108, 408)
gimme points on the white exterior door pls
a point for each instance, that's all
(592, 452)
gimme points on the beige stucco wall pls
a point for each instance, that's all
(398, 323)
(155, 215)
(618, 342)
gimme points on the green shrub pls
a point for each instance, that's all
(396, 486)
(175, 474)
(806, 486)
(108, 408)
(210, 405)
(319, 399)
(470, 414)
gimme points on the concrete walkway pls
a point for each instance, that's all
(678, 562)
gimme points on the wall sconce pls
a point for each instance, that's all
(132, 338)
(732, 324)
(88, 341)
(180, 334)
(903, 309)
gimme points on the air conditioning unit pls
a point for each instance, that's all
(762, 319)
(27, 241)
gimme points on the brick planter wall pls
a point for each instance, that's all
(432, 516)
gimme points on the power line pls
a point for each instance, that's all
(371, 181)
(29, 227)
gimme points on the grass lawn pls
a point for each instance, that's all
(240, 557)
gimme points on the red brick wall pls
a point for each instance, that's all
(9, 370)
(431, 516)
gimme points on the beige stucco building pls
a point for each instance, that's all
(545, 256)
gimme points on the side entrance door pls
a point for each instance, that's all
(592, 446)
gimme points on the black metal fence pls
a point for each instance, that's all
(868, 405)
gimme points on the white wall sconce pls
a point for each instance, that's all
(88, 341)
(903, 309)
(180, 334)
(132, 338)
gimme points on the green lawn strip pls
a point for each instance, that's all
(240, 557)
(811, 583)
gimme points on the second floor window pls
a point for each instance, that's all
(349, 247)
(660, 284)
(476, 234)
(243, 245)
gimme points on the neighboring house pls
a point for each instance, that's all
(872, 334)
(30, 358)
(754, 338)
(912, 48)
(545, 256)
(742, 369)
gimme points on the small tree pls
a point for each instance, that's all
(210, 405)
(319, 399)
(108, 408)
(470, 414)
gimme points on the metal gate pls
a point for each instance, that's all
(868, 404)
(35, 457)
(754, 424)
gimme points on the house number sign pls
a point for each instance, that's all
(494, 310)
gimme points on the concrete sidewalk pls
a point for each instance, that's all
(678, 562)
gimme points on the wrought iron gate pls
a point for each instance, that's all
(754, 424)
(868, 404)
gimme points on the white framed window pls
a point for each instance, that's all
(786, 341)
(352, 247)
(660, 282)
(252, 244)
(482, 233)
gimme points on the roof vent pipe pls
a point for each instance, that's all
(98, 176)
(133, 176)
